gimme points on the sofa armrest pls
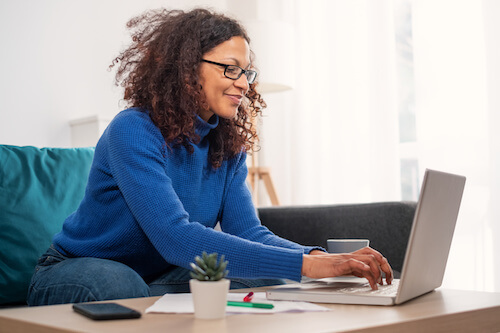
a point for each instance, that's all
(386, 224)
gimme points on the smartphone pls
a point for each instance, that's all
(105, 311)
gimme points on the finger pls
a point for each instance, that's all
(387, 269)
(372, 262)
(360, 269)
(368, 260)
(383, 262)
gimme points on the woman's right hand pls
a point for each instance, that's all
(366, 262)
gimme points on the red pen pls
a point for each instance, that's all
(248, 298)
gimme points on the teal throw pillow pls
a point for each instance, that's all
(39, 188)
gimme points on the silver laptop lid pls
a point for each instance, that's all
(432, 233)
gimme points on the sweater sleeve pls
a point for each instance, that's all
(137, 161)
(240, 216)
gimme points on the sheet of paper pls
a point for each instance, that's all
(183, 303)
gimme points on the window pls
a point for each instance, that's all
(406, 101)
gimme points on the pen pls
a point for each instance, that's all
(248, 298)
(251, 305)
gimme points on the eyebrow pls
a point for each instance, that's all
(237, 62)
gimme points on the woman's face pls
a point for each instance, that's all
(222, 94)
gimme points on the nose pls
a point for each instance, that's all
(242, 83)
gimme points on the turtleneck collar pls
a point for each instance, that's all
(203, 127)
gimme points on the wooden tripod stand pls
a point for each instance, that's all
(256, 173)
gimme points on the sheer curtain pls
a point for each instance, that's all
(335, 137)
(456, 69)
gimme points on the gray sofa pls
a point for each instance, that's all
(40, 187)
(386, 224)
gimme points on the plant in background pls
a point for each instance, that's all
(207, 268)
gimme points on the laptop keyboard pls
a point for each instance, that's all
(384, 290)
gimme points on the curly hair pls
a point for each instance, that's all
(159, 72)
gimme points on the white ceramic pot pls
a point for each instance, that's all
(209, 298)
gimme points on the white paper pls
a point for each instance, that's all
(183, 303)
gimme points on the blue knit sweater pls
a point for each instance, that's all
(150, 207)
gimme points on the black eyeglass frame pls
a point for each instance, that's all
(247, 72)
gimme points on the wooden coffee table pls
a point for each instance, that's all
(439, 311)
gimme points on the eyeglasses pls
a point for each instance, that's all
(234, 72)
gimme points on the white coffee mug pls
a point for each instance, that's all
(346, 245)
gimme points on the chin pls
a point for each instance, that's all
(229, 114)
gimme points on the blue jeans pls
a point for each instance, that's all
(59, 279)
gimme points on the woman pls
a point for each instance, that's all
(169, 168)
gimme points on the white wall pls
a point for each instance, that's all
(54, 63)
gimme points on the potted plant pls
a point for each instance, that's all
(209, 286)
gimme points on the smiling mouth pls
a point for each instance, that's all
(236, 99)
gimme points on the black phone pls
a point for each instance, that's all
(105, 311)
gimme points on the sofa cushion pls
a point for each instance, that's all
(39, 188)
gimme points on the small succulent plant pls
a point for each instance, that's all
(207, 268)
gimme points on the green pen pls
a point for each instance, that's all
(251, 305)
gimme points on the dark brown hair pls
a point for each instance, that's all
(159, 72)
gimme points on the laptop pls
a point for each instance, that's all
(425, 259)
